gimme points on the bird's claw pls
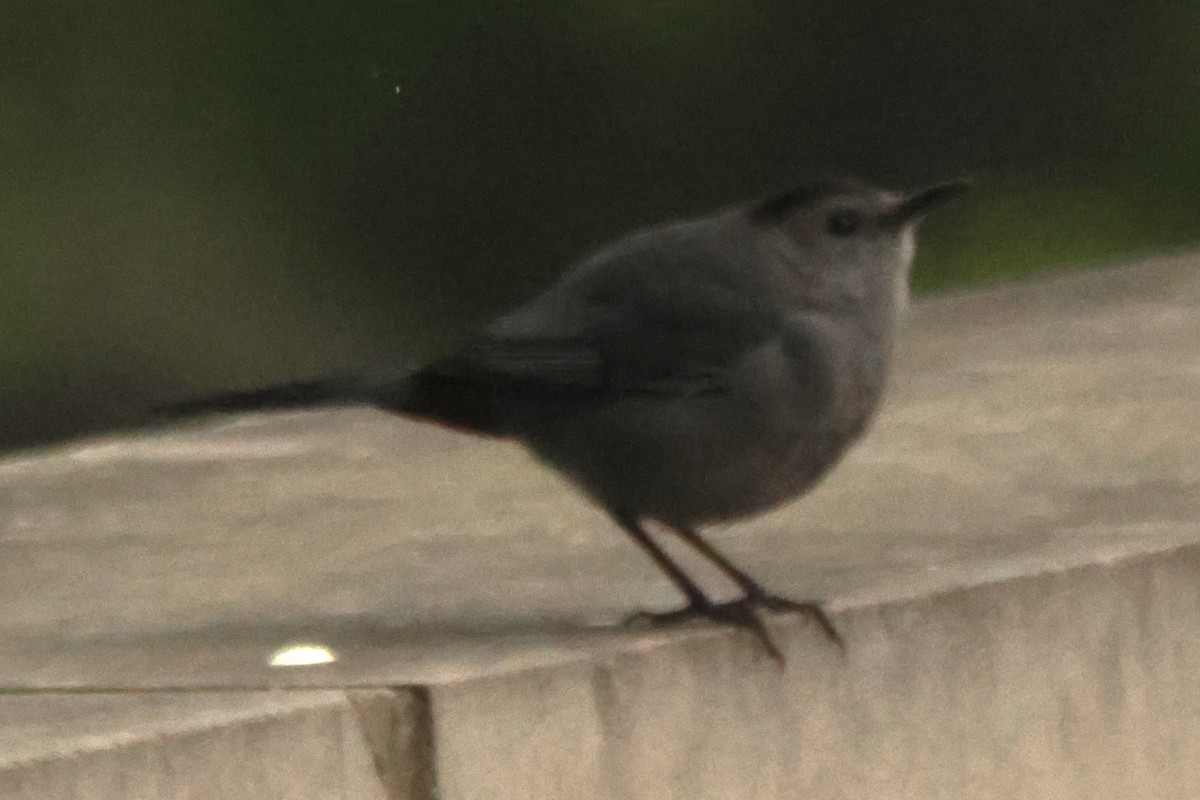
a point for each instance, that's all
(742, 614)
(738, 613)
(810, 609)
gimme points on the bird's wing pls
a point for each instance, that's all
(661, 315)
(551, 361)
(658, 339)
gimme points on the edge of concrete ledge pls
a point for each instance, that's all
(703, 713)
(235, 744)
(1070, 683)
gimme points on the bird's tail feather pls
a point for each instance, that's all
(477, 403)
(318, 393)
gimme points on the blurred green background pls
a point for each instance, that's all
(199, 195)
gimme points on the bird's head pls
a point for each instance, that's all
(845, 242)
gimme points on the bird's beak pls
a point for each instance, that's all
(916, 205)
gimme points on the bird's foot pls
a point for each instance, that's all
(742, 614)
(739, 614)
(813, 610)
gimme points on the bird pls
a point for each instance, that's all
(700, 371)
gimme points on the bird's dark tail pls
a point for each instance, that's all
(477, 402)
(295, 395)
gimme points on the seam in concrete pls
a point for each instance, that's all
(397, 724)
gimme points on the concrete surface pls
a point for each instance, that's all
(210, 745)
(1012, 557)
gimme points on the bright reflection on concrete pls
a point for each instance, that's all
(302, 655)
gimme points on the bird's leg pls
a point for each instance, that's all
(755, 595)
(698, 601)
(699, 605)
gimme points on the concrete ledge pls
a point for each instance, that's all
(257, 745)
(1012, 557)
(1079, 684)
(1072, 684)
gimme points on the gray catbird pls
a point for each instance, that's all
(700, 371)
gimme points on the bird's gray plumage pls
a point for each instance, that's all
(698, 371)
(703, 370)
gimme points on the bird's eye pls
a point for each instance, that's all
(844, 223)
